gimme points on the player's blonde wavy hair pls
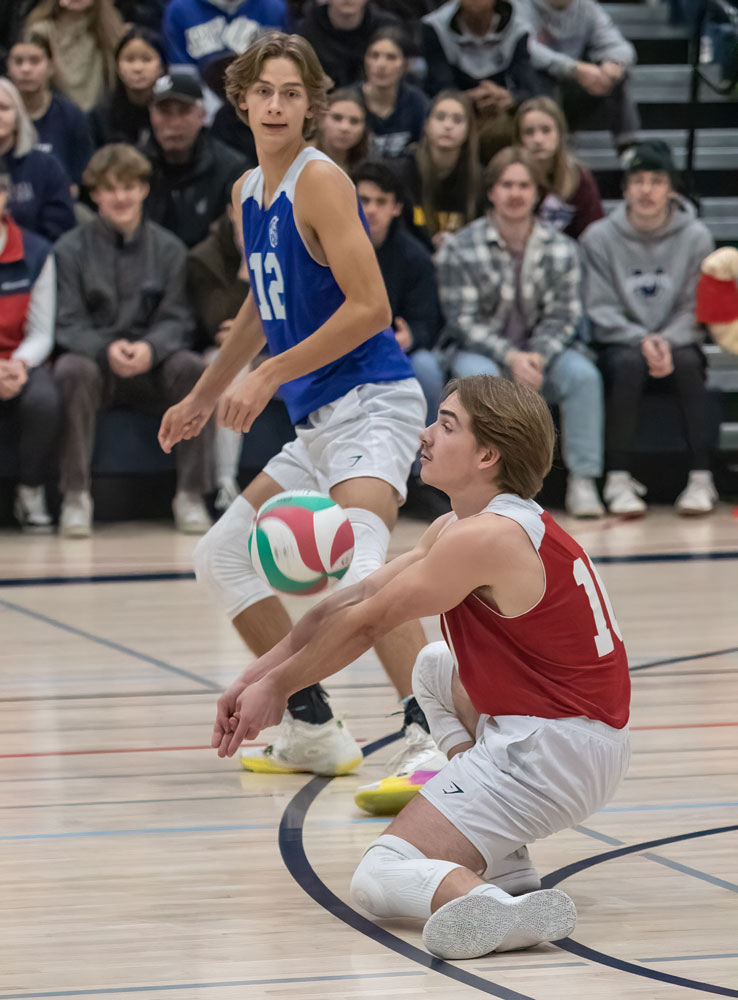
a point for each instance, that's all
(245, 70)
(515, 420)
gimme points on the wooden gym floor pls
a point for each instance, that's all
(135, 863)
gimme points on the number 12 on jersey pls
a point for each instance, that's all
(267, 264)
(585, 575)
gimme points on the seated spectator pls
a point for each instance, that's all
(396, 109)
(29, 401)
(641, 267)
(442, 174)
(83, 35)
(40, 192)
(123, 114)
(340, 32)
(409, 276)
(217, 285)
(193, 173)
(196, 31)
(342, 132)
(509, 288)
(61, 126)
(125, 328)
(580, 51)
(227, 126)
(573, 198)
(481, 47)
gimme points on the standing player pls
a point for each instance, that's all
(528, 696)
(319, 301)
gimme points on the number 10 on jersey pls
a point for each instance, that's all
(269, 294)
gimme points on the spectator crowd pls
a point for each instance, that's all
(120, 274)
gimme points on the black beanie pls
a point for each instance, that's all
(653, 154)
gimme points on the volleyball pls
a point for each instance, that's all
(300, 541)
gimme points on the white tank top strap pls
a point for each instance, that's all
(526, 513)
(253, 186)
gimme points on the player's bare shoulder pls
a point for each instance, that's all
(323, 187)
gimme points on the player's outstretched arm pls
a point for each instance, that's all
(455, 565)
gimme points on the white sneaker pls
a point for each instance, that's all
(515, 874)
(700, 495)
(75, 520)
(190, 513)
(30, 510)
(228, 490)
(488, 920)
(327, 748)
(582, 499)
(623, 495)
(417, 762)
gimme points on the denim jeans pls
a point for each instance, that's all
(428, 371)
(573, 383)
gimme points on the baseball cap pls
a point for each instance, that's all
(177, 87)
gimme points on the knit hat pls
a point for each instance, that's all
(652, 154)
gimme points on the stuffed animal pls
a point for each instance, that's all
(717, 297)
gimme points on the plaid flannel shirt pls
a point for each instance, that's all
(476, 281)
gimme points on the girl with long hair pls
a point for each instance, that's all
(573, 199)
(342, 130)
(396, 109)
(60, 125)
(443, 175)
(83, 35)
(123, 114)
(40, 198)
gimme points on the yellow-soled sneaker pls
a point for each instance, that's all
(327, 749)
(417, 762)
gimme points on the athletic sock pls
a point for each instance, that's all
(310, 705)
(414, 713)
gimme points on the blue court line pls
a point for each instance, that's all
(688, 958)
(596, 835)
(575, 948)
(684, 659)
(109, 644)
(135, 802)
(686, 870)
(221, 984)
(61, 581)
(668, 808)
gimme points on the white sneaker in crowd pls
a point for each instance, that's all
(30, 510)
(75, 520)
(582, 499)
(228, 490)
(699, 496)
(623, 495)
(417, 762)
(326, 748)
(190, 513)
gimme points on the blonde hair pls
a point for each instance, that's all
(105, 24)
(508, 157)
(468, 163)
(515, 420)
(117, 161)
(25, 131)
(562, 176)
(245, 69)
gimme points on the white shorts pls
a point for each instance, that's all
(371, 431)
(526, 778)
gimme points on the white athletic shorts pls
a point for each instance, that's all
(371, 431)
(526, 778)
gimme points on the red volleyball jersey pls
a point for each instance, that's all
(565, 657)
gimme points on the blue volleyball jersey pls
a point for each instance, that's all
(296, 295)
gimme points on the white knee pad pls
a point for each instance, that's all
(395, 879)
(432, 676)
(371, 540)
(223, 565)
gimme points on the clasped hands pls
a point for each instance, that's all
(244, 710)
(657, 352)
(13, 376)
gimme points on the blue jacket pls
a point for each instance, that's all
(64, 131)
(40, 199)
(198, 31)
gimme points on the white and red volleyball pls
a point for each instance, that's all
(300, 540)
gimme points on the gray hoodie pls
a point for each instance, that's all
(637, 283)
(559, 38)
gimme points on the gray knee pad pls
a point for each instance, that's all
(223, 565)
(395, 879)
(371, 540)
(432, 676)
